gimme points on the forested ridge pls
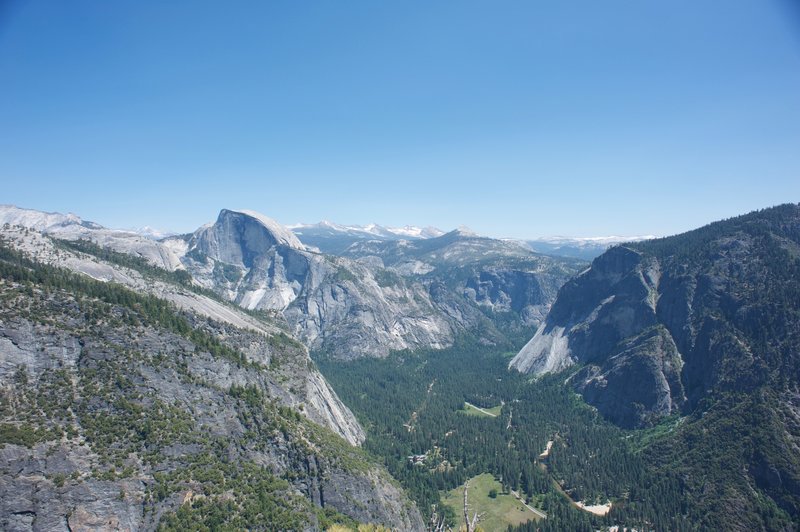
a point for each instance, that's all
(133, 420)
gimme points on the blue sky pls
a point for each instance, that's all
(517, 119)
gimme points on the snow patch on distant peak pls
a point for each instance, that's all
(463, 229)
(372, 230)
(593, 240)
(415, 232)
(152, 232)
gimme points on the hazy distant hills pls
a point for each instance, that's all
(581, 248)
(337, 239)
(334, 238)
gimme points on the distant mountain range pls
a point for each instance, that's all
(334, 238)
(585, 248)
(382, 291)
(326, 236)
(374, 230)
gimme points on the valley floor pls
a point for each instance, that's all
(431, 445)
(497, 512)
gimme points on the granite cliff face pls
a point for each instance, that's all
(703, 326)
(369, 302)
(503, 280)
(659, 326)
(139, 402)
(378, 296)
(333, 304)
(250, 259)
(316, 390)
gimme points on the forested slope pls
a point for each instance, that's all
(119, 410)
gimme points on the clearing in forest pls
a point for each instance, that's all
(498, 512)
(472, 410)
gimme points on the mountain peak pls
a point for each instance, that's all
(463, 230)
(39, 220)
(281, 234)
(330, 237)
(460, 232)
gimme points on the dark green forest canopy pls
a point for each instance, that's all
(412, 404)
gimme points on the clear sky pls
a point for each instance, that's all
(517, 119)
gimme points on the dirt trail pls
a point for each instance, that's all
(415, 414)
(596, 509)
(529, 507)
(480, 409)
(546, 451)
